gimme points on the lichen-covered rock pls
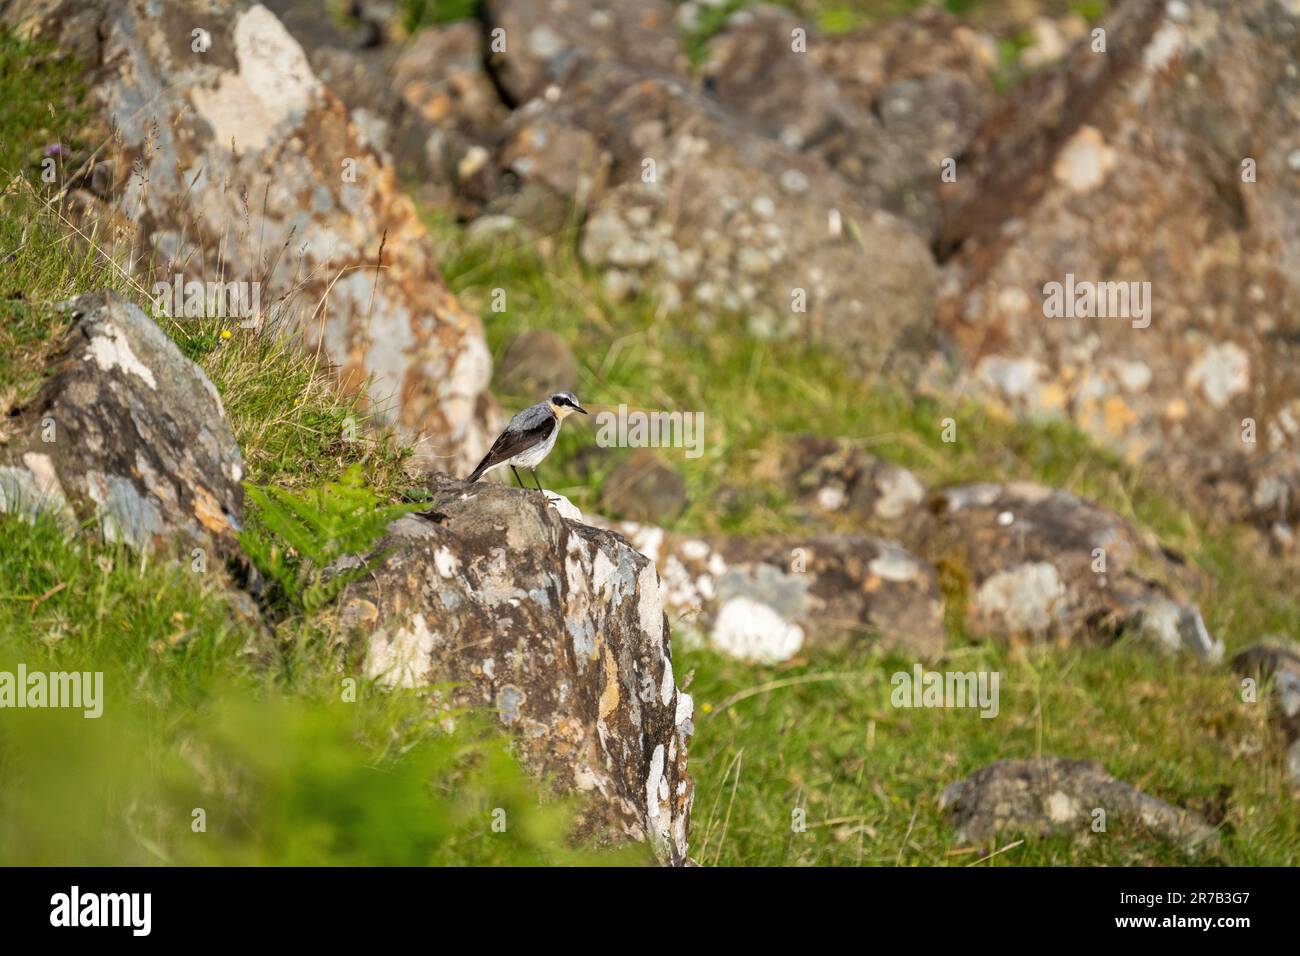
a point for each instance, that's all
(638, 33)
(556, 627)
(129, 433)
(1039, 562)
(1155, 184)
(685, 200)
(424, 100)
(1278, 664)
(768, 599)
(1052, 795)
(883, 106)
(837, 480)
(230, 161)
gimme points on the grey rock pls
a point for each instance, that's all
(833, 478)
(1182, 128)
(1052, 795)
(1276, 663)
(555, 626)
(1173, 627)
(639, 33)
(883, 106)
(130, 434)
(681, 199)
(1040, 563)
(769, 599)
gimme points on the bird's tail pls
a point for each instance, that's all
(477, 473)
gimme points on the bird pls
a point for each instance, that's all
(529, 437)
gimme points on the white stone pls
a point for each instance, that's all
(750, 630)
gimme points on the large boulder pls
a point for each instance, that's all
(884, 106)
(229, 161)
(1168, 159)
(769, 599)
(536, 33)
(555, 627)
(1052, 795)
(127, 433)
(424, 100)
(1037, 562)
(679, 197)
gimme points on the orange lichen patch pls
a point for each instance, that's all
(208, 510)
(609, 695)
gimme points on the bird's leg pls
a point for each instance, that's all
(518, 480)
(535, 481)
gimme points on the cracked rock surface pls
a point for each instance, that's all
(556, 628)
(129, 433)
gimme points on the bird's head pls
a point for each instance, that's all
(565, 403)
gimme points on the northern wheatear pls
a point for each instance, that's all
(529, 437)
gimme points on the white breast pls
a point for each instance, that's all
(533, 456)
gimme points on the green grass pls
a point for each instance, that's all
(418, 14)
(868, 776)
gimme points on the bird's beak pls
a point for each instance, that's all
(581, 409)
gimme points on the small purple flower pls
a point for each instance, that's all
(56, 149)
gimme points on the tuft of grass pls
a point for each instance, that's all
(293, 424)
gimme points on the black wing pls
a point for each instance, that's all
(513, 441)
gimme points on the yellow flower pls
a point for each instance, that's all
(226, 333)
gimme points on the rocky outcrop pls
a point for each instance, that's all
(768, 599)
(680, 198)
(883, 106)
(127, 433)
(672, 191)
(1275, 665)
(555, 627)
(1154, 183)
(1052, 795)
(536, 34)
(423, 100)
(1039, 562)
(230, 162)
